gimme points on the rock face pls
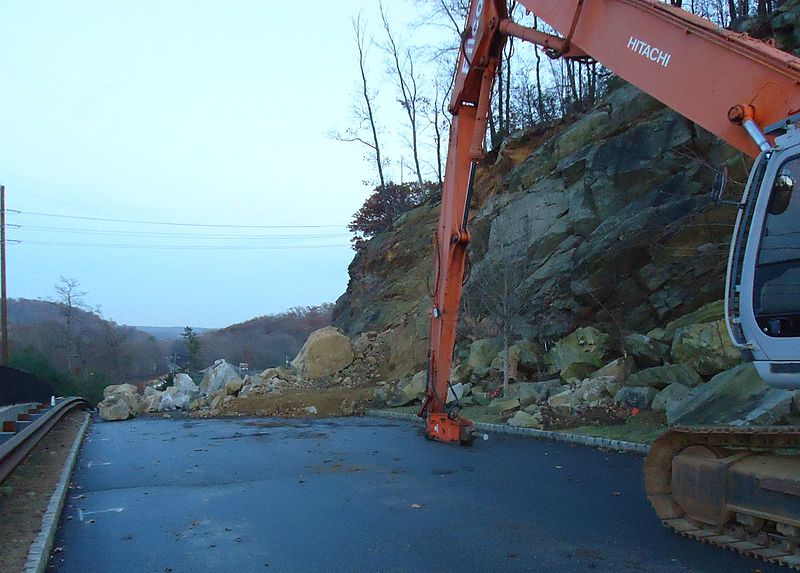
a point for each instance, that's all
(612, 221)
(737, 396)
(217, 376)
(327, 351)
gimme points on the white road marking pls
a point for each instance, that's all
(82, 514)
(91, 463)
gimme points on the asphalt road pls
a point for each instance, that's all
(156, 495)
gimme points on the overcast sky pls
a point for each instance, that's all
(118, 115)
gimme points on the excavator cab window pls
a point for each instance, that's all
(776, 282)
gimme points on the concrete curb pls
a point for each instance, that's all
(629, 447)
(39, 552)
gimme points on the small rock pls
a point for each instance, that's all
(637, 397)
(523, 419)
(310, 410)
(503, 405)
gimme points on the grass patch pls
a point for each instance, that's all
(641, 429)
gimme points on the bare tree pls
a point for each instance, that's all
(70, 300)
(401, 66)
(364, 112)
(496, 289)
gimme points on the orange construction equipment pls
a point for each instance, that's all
(747, 93)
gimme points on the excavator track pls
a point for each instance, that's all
(733, 487)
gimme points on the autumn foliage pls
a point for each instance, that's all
(385, 204)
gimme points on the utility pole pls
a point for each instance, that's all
(3, 294)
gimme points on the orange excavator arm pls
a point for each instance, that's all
(728, 83)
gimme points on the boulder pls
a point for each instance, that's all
(705, 347)
(524, 419)
(527, 355)
(278, 372)
(179, 399)
(149, 403)
(380, 395)
(233, 387)
(408, 391)
(639, 397)
(126, 392)
(594, 392)
(461, 374)
(503, 405)
(326, 352)
(532, 392)
(737, 397)
(114, 408)
(483, 352)
(711, 312)
(659, 377)
(645, 350)
(184, 382)
(167, 402)
(582, 352)
(119, 389)
(457, 392)
(619, 368)
(255, 385)
(564, 403)
(522, 359)
(183, 391)
(215, 377)
(348, 407)
(669, 397)
(310, 410)
(481, 398)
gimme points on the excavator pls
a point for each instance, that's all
(734, 487)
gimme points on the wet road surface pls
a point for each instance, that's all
(179, 495)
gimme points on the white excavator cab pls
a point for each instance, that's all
(762, 303)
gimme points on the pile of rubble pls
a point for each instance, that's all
(328, 359)
(688, 370)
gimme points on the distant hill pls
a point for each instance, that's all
(267, 340)
(77, 350)
(169, 332)
(89, 349)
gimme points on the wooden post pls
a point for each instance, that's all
(3, 293)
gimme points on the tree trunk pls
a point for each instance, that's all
(505, 365)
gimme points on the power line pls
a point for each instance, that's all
(179, 247)
(173, 224)
(107, 232)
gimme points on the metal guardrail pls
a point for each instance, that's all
(14, 450)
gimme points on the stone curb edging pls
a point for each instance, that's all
(619, 445)
(39, 552)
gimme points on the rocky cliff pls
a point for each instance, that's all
(608, 215)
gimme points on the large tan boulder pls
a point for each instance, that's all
(114, 408)
(327, 351)
(125, 392)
